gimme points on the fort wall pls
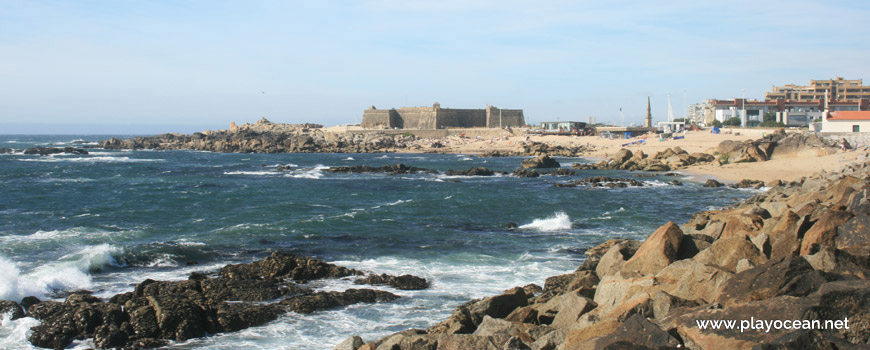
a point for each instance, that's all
(435, 117)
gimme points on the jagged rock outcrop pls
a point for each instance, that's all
(403, 282)
(268, 137)
(796, 252)
(389, 169)
(667, 160)
(602, 181)
(473, 171)
(158, 311)
(46, 151)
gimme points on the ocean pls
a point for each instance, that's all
(110, 219)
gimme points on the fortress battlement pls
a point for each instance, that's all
(436, 117)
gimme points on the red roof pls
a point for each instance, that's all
(849, 115)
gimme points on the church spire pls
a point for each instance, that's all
(648, 114)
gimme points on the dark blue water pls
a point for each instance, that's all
(110, 219)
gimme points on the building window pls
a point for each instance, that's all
(856, 128)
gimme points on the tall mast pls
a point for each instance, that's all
(670, 109)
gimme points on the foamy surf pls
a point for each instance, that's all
(256, 173)
(70, 272)
(103, 159)
(559, 221)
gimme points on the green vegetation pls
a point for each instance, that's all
(771, 124)
(735, 121)
(679, 120)
(717, 123)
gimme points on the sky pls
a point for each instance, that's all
(183, 66)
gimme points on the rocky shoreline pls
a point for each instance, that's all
(267, 137)
(800, 251)
(237, 297)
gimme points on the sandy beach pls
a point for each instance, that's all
(786, 169)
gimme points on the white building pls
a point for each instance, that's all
(847, 121)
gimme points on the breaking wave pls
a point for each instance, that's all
(70, 272)
(559, 221)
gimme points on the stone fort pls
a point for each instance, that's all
(436, 117)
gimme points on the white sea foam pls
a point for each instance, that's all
(349, 158)
(256, 173)
(310, 173)
(401, 201)
(71, 180)
(54, 159)
(14, 334)
(559, 221)
(75, 232)
(68, 273)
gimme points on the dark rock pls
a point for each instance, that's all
(474, 171)
(692, 244)
(562, 172)
(216, 290)
(27, 302)
(45, 151)
(676, 183)
(157, 311)
(389, 169)
(237, 316)
(307, 304)
(282, 265)
(852, 235)
(792, 276)
(712, 183)
(403, 282)
(12, 308)
(6, 150)
(804, 339)
(604, 181)
(637, 333)
(746, 183)
(526, 173)
(540, 162)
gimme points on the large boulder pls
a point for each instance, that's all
(726, 252)
(792, 276)
(659, 250)
(635, 333)
(852, 235)
(468, 316)
(539, 162)
(824, 231)
(690, 279)
(571, 306)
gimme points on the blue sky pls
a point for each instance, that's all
(163, 66)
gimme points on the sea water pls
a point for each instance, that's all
(107, 220)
